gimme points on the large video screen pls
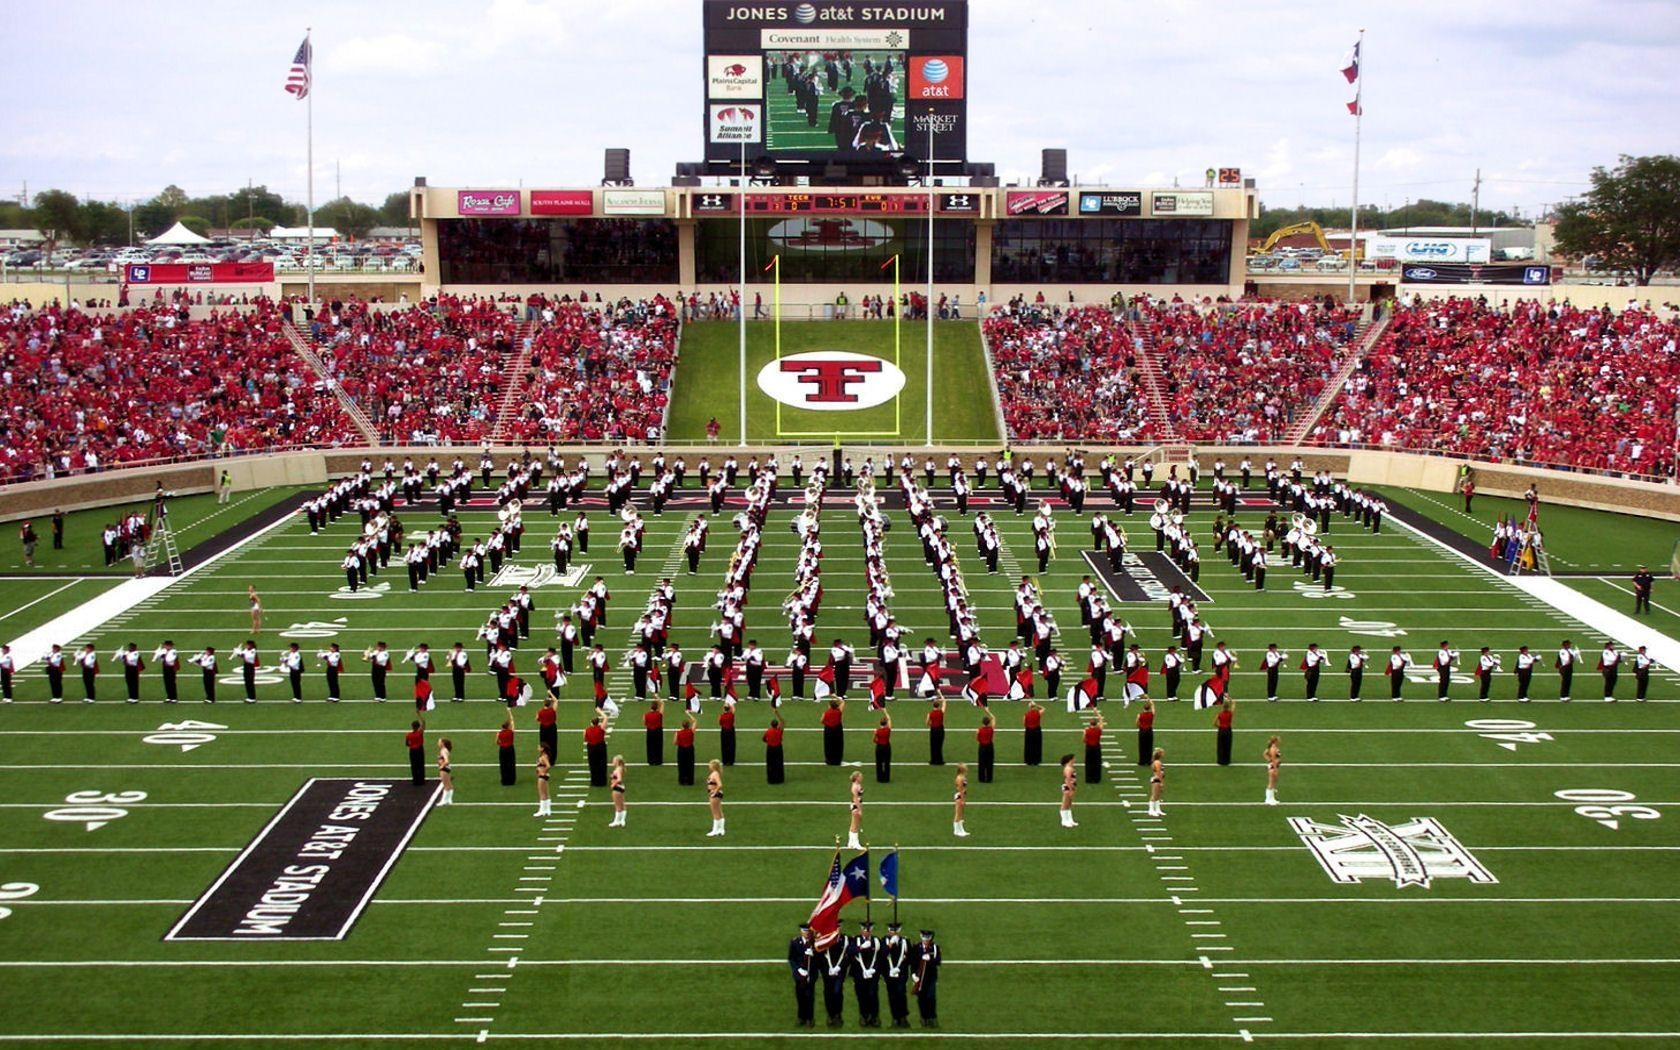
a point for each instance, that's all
(839, 81)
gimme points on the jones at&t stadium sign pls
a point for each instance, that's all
(831, 381)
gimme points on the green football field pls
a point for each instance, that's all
(1536, 842)
(708, 383)
(790, 128)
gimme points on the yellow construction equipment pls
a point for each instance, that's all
(1293, 228)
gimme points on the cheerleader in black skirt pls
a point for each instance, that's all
(774, 772)
(1032, 735)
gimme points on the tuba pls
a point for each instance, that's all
(1158, 520)
(1304, 524)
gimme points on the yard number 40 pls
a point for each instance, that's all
(1508, 732)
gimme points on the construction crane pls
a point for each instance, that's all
(1293, 228)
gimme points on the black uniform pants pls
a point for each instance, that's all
(1223, 747)
(898, 999)
(597, 765)
(775, 771)
(417, 764)
(1146, 746)
(1093, 763)
(1032, 746)
(936, 745)
(988, 762)
(685, 766)
(883, 763)
(834, 745)
(510, 771)
(805, 999)
(834, 997)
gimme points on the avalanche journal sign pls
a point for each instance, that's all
(309, 874)
(831, 381)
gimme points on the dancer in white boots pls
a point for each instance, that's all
(1070, 786)
(1274, 759)
(714, 796)
(960, 802)
(544, 764)
(445, 777)
(1157, 781)
(617, 792)
(857, 813)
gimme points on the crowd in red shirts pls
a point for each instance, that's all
(1528, 382)
(82, 390)
(1239, 372)
(1067, 374)
(599, 372)
(424, 374)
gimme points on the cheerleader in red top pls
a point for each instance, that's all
(617, 792)
(653, 721)
(959, 801)
(726, 734)
(595, 750)
(504, 748)
(1032, 734)
(1093, 750)
(1222, 727)
(988, 752)
(1070, 787)
(714, 796)
(544, 764)
(883, 750)
(774, 769)
(1146, 732)
(834, 737)
(548, 730)
(857, 812)
(684, 740)
(936, 732)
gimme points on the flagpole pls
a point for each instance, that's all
(309, 100)
(743, 306)
(1358, 119)
(776, 261)
(869, 901)
(898, 861)
(928, 432)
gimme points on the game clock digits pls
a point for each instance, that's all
(836, 81)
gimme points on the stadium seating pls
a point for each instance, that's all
(598, 372)
(84, 390)
(1531, 382)
(1067, 374)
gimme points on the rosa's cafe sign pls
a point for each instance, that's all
(831, 381)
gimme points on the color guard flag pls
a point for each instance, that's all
(877, 692)
(927, 686)
(844, 885)
(297, 78)
(1210, 693)
(1021, 688)
(889, 874)
(423, 696)
(775, 689)
(977, 691)
(1082, 695)
(824, 684)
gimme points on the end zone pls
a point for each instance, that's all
(309, 874)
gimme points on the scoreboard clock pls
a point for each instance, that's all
(838, 203)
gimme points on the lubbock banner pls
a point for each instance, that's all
(199, 273)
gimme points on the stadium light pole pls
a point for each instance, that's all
(741, 309)
(928, 307)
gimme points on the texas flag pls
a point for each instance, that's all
(1082, 695)
(1351, 72)
(844, 885)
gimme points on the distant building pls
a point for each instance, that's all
(20, 238)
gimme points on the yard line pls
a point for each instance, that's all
(42, 598)
(78, 964)
(773, 1036)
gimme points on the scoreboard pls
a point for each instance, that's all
(838, 203)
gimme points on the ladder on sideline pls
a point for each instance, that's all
(161, 548)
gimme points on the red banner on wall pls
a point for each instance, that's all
(200, 273)
(562, 202)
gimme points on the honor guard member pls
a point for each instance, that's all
(895, 972)
(379, 661)
(1525, 672)
(206, 662)
(802, 963)
(1609, 664)
(1567, 658)
(1486, 664)
(334, 661)
(459, 665)
(1446, 658)
(1356, 661)
(291, 664)
(132, 665)
(1312, 663)
(866, 975)
(1397, 664)
(168, 659)
(924, 977)
(834, 962)
(1641, 673)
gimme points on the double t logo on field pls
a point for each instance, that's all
(831, 381)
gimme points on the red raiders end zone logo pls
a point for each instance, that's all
(831, 381)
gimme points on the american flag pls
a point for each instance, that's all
(297, 80)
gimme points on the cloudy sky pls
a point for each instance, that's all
(117, 99)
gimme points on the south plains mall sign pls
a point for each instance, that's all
(831, 381)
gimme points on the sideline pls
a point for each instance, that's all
(101, 609)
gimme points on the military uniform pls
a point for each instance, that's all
(924, 973)
(866, 976)
(802, 963)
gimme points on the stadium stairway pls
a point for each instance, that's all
(1367, 337)
(306, 352)
(517, 370)
(1144, 340)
